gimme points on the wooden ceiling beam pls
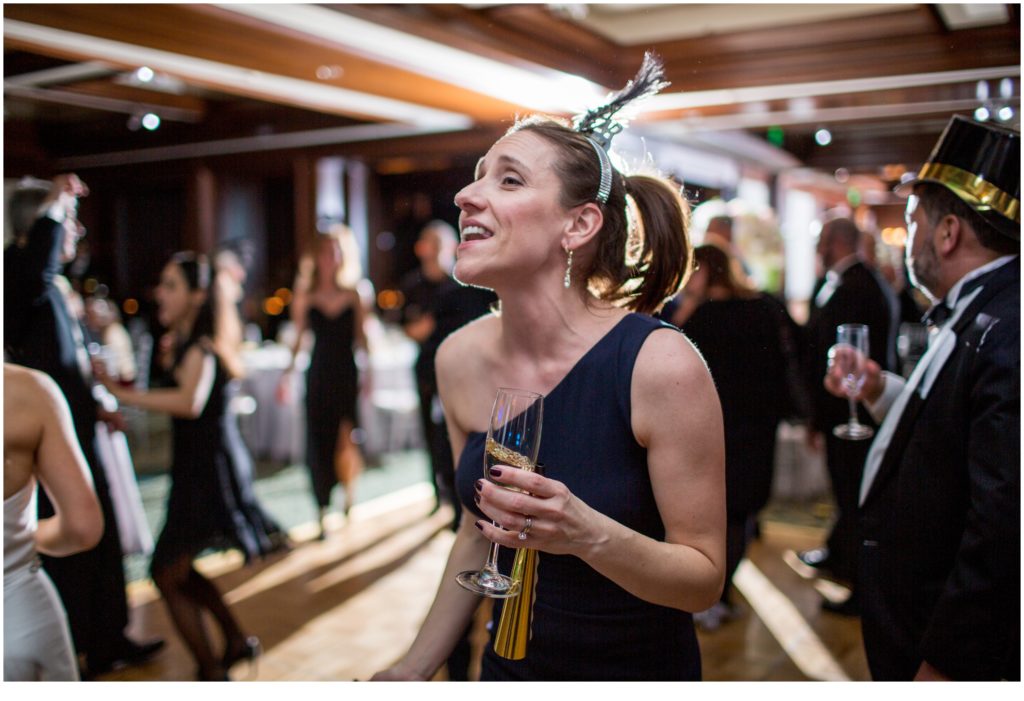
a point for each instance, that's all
(215, 35)
(503, 33)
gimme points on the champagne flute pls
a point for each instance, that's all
(513, 438)
(850, 354)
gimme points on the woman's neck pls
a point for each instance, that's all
(550, 325)
(183, 329)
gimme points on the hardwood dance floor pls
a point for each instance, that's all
(340, 609)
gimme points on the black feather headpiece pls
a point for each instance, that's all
(600, 123)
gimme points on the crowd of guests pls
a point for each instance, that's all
(658, 446)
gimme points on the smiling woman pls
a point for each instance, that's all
(628, 518)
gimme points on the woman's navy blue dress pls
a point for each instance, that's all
(586, 627)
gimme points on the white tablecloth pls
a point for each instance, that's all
(389, 416)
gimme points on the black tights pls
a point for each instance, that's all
(187, 593)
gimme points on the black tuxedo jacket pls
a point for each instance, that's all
(940, 562)
(39, 333)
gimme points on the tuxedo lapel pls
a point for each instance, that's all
(993, 283)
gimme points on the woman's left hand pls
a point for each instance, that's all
(553, 519)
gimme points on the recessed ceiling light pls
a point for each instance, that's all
(329, 72)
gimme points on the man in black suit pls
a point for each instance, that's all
(940, 499)
(41, 333)
(851, 292)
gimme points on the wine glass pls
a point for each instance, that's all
(850, 354)
(513, 438)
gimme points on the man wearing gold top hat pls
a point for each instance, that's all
(940, 496)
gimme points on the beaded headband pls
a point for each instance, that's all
(599, 124)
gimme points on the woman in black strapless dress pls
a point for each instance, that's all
(628, 519)
(327, 303)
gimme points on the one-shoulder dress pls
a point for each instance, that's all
(584, 626)
(332, 389)
(209, 505)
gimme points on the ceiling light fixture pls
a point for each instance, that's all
(329, 72)
(144, 74)
(823, 137)
(151, 121)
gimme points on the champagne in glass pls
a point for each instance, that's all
(513, 439)
(850, 355)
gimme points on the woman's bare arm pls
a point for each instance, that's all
(195, 381)
(64, 474)
(453, 606)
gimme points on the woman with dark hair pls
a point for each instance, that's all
(327, 303)
(207, 506)
(740, 333)
(628, 519)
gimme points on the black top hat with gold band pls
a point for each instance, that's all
(980, 163)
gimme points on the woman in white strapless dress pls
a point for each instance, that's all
(39, 443)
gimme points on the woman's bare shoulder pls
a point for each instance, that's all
(25, 385)
(468, 344)
(668, 360)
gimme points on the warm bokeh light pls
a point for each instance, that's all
(90, 285)
(130, 306)
(390, 299)
(284, 294)
(894, 236)
(893, 171)
(273, 306)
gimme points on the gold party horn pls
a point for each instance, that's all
(514, 626)
(516, 614)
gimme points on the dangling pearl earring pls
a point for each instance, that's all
(568, 270)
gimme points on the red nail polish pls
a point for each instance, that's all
(479, 485)
(478, 525)
(495, 472)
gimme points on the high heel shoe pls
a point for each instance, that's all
(250, 649)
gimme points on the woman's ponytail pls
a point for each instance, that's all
(659, 243)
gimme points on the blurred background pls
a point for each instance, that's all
(199, 125)
(250, 128)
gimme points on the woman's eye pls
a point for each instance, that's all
(511, 180)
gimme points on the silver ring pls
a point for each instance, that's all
(526, 528)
